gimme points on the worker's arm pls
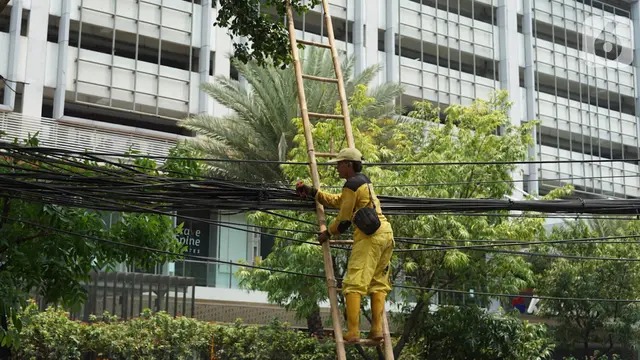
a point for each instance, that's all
(342, 222)
(328, 199)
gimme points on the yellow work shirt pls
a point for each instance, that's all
(354, 196)
(370, 258)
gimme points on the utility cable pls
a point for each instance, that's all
(288, 217)
(158, 251)
(224, 195)
(557, 256)
(218, 261)
(541, 297)
(483, 182)
(158, 212)
(197, 219)
(516, 243)
(443, 163)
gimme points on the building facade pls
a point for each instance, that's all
(113, 74)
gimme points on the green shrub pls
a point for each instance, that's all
(469, 332)
(52, 335)
(275, 341)
(48, 335)
(151, 336)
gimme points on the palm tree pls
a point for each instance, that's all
(260, 126)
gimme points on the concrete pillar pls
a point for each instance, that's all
(63, 60)
(358, 37)
(508, 70)
(14, 52)
(530, 92)
(635, 18)
(509, 45)
(205, 55)
(391, 28)
(36, 58)
(371, 14)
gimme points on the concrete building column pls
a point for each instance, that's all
(14, 52)
(530, 91)
(635, 18)
(63, 60)
(508, 69)
(391, 28)
(509, 43)
(358, 37)
(205, 54)
(36, 58)
(371, 25)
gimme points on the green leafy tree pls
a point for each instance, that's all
(590, 322)
(49, 250)
(260, 127)
(261, 23)
(467, 134)
(468, 332)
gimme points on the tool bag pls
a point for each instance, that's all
(366, 218)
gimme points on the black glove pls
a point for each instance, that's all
(324, 236)
(304, 190)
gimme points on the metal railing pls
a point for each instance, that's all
(128, 294)
(70, 136)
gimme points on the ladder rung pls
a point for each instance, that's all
(326, 116)
(341, 242)
(320, 78)
(368, 342)
(325, 154)
(313, 43)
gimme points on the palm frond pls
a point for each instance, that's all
(259, 126)
(384, 105)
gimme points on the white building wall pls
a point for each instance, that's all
(444, 56)
(108, 79)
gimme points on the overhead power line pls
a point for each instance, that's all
(158, 251)
(544, 255)
(52, 176)
(318, 276)
(541, 297)
(440, 163)
(437, 247)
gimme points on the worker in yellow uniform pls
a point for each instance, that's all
(369, 263)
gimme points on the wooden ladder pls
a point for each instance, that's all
(306, 115)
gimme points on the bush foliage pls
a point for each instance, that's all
(52, 335)
(450, 333)
(469, 332)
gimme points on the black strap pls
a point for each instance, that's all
(370, 196)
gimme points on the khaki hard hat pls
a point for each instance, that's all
(347, 154)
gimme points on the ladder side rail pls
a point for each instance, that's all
(386, 333)
(336, 64)
(388, 345)
(328, 261)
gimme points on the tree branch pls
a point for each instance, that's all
(362, 352)
(610, 345)
(472, 186)
(5, 211)
(24, 239)
(408, 327)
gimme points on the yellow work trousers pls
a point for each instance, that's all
(369, 263)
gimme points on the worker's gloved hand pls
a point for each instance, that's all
(304, 190)
(324, 236)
